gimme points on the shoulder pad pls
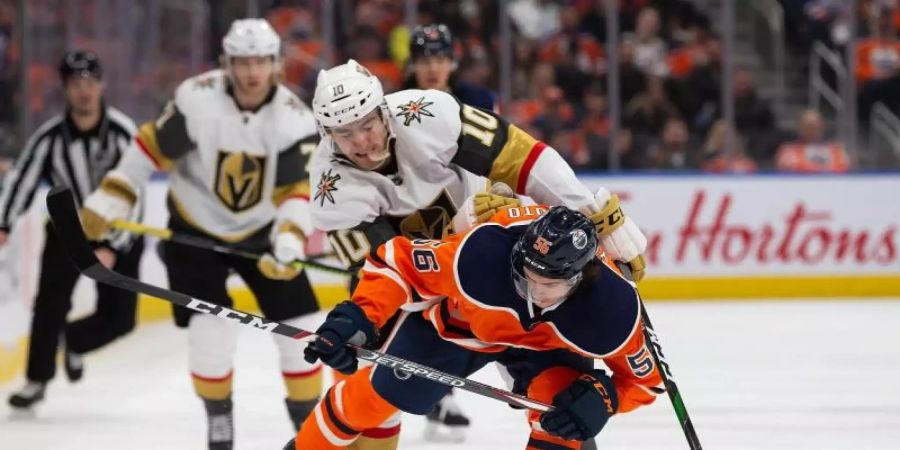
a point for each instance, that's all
(121, 119)
(428, 108)
(600, 317)
(339, 201)
(294, 118)
(483, 267)
(195, 94)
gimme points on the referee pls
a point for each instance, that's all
(74, 149)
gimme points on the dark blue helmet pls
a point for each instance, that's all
(557, 245)
(80, 64)
(434, 39)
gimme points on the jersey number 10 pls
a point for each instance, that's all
(479, 124)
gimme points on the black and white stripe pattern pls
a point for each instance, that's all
(57, 153)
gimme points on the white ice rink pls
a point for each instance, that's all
(762, 375)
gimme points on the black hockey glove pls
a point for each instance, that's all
(345, 324)
(582, 409)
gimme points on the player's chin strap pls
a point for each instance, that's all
(64, 215)
(208, 244)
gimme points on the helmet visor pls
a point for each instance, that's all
(542, 291)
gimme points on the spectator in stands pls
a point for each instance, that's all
(555, 115)
(878, 56)
(680, 19)
(650, 49)
(716, 158)
(647, 113)
(585, 142)
(631, 154)
(524, 60)
(528, 107)
(535, 19)
(878, 64)
(674, 151)
(433, 66)
(368, 48)
(827, 21)
(811, 152)
(752, 113)
(694, 80)
(577, 56)
(632, 80)
(753, 117)
(9, 70)
(297, 24)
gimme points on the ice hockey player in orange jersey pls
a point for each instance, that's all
(530, 291)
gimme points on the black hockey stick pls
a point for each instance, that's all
(64, 216)
(668, 381)
(209, 244)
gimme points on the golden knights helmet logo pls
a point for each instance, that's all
(240, 179)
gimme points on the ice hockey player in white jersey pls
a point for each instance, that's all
(406, 163)
(235, 143)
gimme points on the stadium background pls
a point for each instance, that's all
(694, 130)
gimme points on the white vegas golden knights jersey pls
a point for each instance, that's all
(442, 153)
(229, 168)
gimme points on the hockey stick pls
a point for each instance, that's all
(665, 372)
(208, 244)
(65, 220)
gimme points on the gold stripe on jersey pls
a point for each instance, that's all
(182, 213)
(298, 189)
(507, 166)
(146, 140)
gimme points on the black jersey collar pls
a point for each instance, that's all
(229, 88)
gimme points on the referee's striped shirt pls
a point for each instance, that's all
(62, 155)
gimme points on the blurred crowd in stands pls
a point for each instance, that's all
(670, 63)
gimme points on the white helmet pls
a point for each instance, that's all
(345, 94)
(251, 37)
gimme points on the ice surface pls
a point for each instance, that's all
(756, 375)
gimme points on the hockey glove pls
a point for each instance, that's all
(486, 204)
(478, 208)
(582, 409)
(619, 236)
(287, 246)
(112, 200)
(345, 324)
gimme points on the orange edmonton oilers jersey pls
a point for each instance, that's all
(463, 285)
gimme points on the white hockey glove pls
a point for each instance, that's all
(620, 238)
(288, 245)
(112, 200)
(480, 207)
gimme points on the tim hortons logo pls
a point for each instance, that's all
(803, 236)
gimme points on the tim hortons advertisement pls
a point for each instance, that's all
(710, 237)
(765, 225)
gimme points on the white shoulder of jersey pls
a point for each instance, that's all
(293, 118)
(201, 93)
(429, 120)
(120, 118)
(341, 196)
